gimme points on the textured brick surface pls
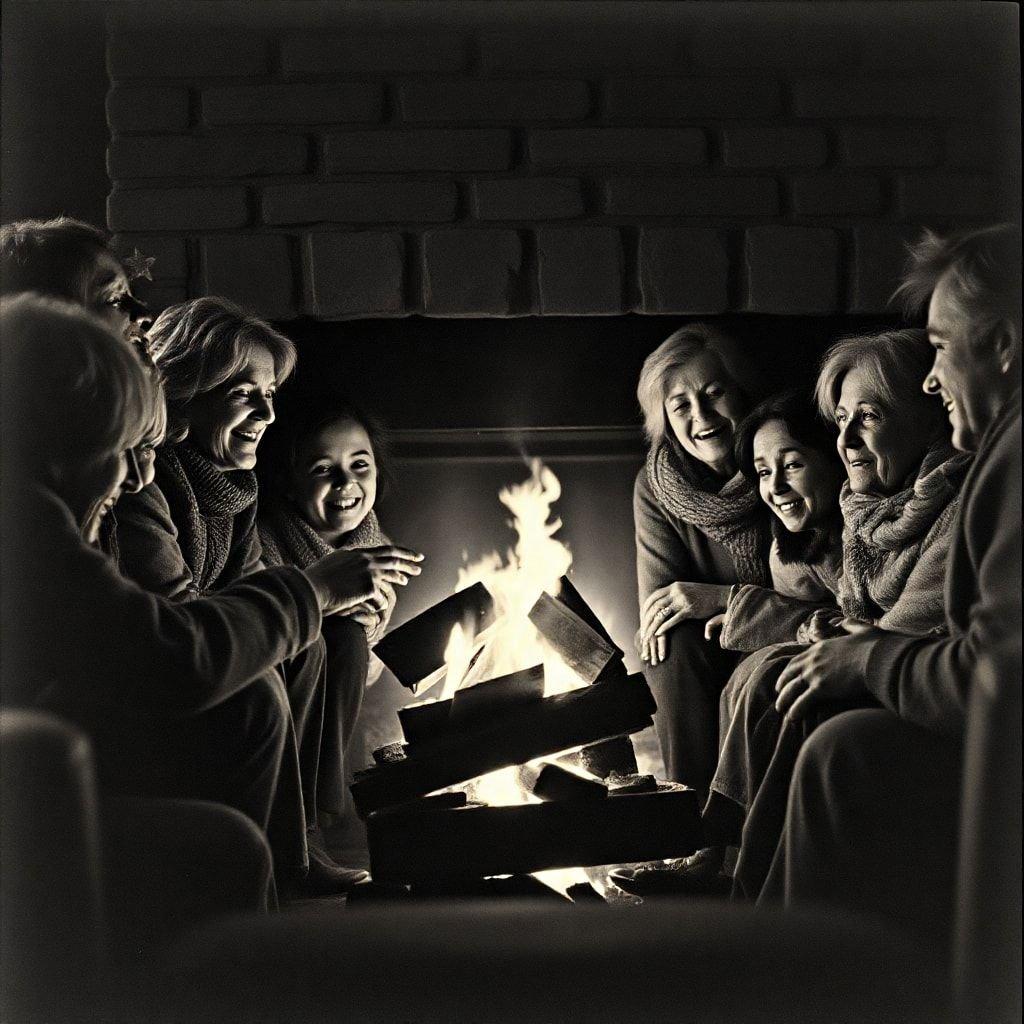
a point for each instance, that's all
(867, 146)
(784, 44)
(357, 274)
(177, 209)
(471, 273)
(579, 270)
(581, 146)
(319, 54)
(184, 157)
(878, 257)
(183, 55)
(675, 99)
(253, 270)
(421, 149)
(528, 198)
(169, 252)
(294, 104)
(694, 197)
(147, 108)
(683, 271)
(792, 270)
(555, 48)
(775, 147)
(888, 97)
(834, 196)
(469, 100)
(360, 202)
(944, 196)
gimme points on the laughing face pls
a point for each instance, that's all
(227, 423)
(799, 483)
(880, 447)
(334, 481)
(703, 406)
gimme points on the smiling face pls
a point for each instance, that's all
(880, 447)
(109, 296)
(965, 375)
(703, 406)
(334, 479)
(799, 483)
(227, 423)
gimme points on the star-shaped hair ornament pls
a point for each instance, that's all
(138, 265)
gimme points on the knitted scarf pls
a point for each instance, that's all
(887, 537)
(733, 517)
(205, 501)
(287, 539)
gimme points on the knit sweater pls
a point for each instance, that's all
(927, 680)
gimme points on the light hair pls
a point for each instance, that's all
(677, 350)
(53, 257)
(982, 269)
(896, 364)
(200, 344)
(72, 390)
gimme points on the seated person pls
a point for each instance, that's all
(146, 678)
(700, 528)
(898, 506)
(321, 471)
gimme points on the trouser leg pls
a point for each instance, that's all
(687, 686)
(871, 821)
(347, 661)
(305, 682)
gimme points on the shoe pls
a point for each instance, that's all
(696, 875)
(326, 877)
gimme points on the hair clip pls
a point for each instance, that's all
(138, 265)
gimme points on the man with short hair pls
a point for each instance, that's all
(874, 804)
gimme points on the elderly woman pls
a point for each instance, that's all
(195, 532)
(899, 505)
(145, 677)
(700, 529)
(321, 471)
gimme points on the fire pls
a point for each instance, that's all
(534, 564)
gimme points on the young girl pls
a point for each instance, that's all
(321, 472)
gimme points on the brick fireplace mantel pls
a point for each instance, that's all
(340, 160)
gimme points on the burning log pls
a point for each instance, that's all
(556, 783)
(479, 841)
(618, 784)
(601, 759)
(573, 630)
(496, 696)
(416, 649)
(542, 727)
(422, 721)
(389, 753)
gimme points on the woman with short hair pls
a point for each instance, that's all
(700, 529)
(195, 532)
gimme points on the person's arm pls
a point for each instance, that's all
(756, 617)
(661, 555)
(103, 641)
(147, 545)
(927, 680)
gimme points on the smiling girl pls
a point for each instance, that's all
(320, 476)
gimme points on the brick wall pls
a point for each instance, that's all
(382, 159)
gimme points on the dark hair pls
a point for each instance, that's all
(983, 268)
(795, 408)
(302, 412)
(72, 390)
(53, 257)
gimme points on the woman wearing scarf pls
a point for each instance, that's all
(700, 528)
(321, 473)
(195, 531)
(898, 505)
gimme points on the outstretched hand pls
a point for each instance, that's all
(667, 606)
(345, 579)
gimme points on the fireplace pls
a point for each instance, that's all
(483, 216)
